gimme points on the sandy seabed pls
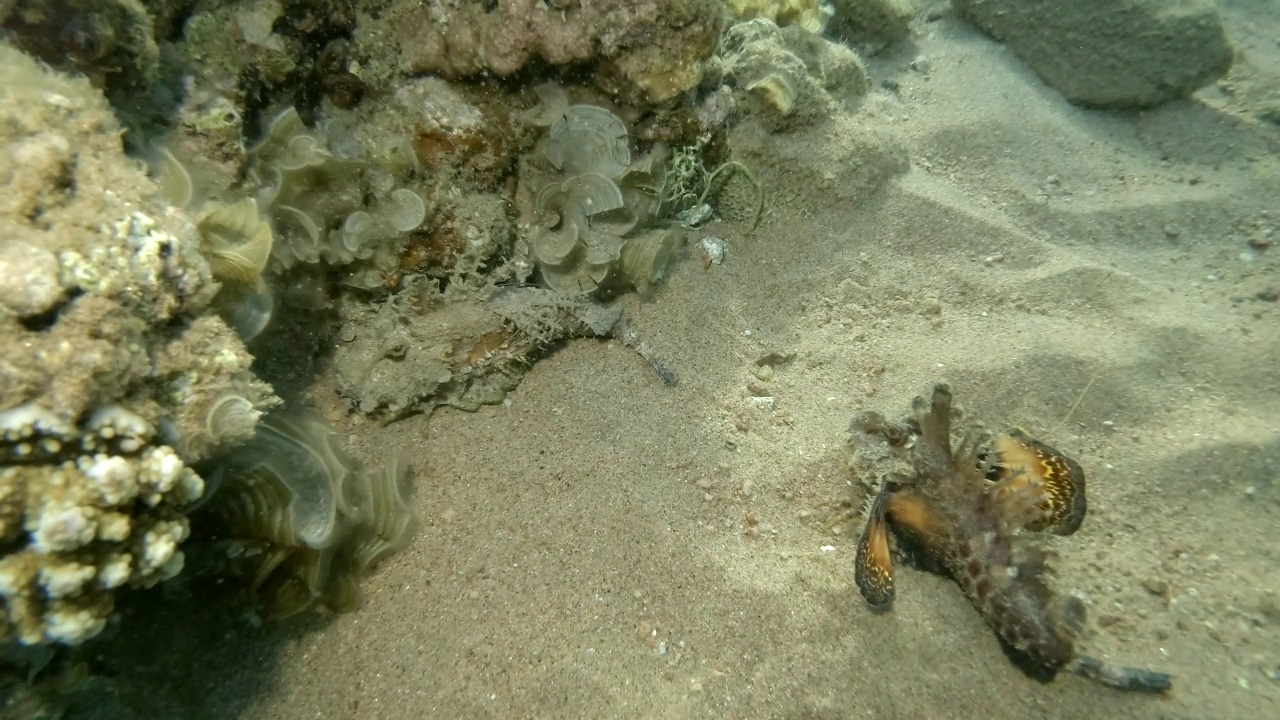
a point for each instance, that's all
(603, 545)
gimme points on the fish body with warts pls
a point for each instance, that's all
(969, 512)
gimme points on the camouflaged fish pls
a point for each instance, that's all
(963, 512)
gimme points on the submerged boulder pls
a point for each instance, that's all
(1115, 54)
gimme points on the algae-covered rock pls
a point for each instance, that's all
(808, 15)
(648, 51)
(790, 76)
(112, 41)
(1119, 54)
(872, 25)
(114, 365)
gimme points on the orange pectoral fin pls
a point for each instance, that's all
(873, 568)
(1060, 478)
(919, 521)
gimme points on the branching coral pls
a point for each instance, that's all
(87, 526)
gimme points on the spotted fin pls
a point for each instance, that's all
(1023, 462)
(918, 520)
(873, 569)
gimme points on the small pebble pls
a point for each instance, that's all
(695, 216)
(714, 247)
(29, 282)
(1156, 586)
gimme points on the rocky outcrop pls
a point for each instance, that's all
(1116, 54)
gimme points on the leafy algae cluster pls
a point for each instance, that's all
(332, 201)
(597, 207)
(299, 518)
(314, 199)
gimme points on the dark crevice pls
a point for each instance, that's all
(46, 320)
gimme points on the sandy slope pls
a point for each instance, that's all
(583, 551)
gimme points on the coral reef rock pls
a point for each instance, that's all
(872, 25)
(791, 72)
(651, 50)
(115, 371)
(1115, 54)
(808, 15)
